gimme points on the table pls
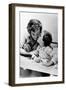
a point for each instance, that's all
(27, 63)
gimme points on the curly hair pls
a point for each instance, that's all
(33, 25)
(47, 38)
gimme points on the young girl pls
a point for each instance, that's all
(45, 54)
(34, 28)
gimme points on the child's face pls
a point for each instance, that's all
(35, 35)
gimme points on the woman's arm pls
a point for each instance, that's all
(36, 53)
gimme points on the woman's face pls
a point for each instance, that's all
(35, 35)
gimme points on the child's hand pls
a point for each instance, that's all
(37, 60)
(33, 56)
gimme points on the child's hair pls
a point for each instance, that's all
(47, 38)
(33, 25)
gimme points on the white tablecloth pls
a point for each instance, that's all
(27, 63)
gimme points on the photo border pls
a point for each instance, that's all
(12, 43)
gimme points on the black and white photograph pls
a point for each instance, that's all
(37, 44)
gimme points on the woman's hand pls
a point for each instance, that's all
(27, 47)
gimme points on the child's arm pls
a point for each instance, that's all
(50, 63)
(53, 61)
